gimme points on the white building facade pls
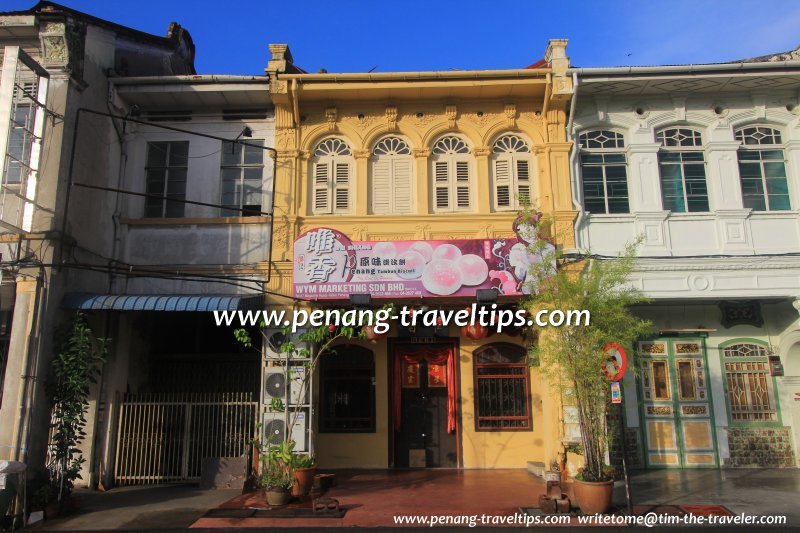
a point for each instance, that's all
(702, 163)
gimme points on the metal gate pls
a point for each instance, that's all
(164, 437)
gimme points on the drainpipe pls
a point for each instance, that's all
(547, 92)
(573, 156)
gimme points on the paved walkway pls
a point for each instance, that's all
(761, 491)
(374, 497)
(157, 508)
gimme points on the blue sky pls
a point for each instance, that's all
(351, 36)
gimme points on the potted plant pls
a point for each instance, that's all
(277, 474)
(305, 468)
(572, 356)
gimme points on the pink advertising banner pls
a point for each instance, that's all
(329, 266)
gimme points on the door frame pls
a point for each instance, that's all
(677, 417)
(391, 347)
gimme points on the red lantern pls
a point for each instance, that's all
(475, 332)
(369, 332)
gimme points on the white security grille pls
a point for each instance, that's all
(164, 437)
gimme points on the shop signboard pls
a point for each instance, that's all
(330, 266)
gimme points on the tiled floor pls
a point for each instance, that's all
(373, 498)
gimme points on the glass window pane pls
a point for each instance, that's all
(779, 202)
(156, 154)
(614, 158)
(774, 170)
(616, 172)
(754, 202)
(594, 205)
(618, 205)
(686, 380)
(152, 208)
(231, 153)
(660, 380)
(154, 180)
(178, 154)
(253, 173)
(698, 204)
(231, 174)
(253, 155)
(177, 181)
(749, 155)
(771, 154)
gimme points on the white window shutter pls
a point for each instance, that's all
(502, 182)
(523, 181)
(401, 185)
(321, 188)
(462, 184)
(342, 187)
(442, 184)
(381, 187)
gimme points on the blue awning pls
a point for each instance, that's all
(163, 302)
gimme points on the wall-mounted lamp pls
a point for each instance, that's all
(360, 301)
(486, 296)
(246, 132)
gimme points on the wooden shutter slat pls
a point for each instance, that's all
(322, 200)
(342, 187)
(381, 187)
(401, 186)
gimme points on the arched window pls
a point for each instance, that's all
(452, 170)
(331, 170)
(682, 170)
(762, 169)
(749, 387)
(392, 170)
(511, 160)
(604, 172)
(502, 388)
(347, 391)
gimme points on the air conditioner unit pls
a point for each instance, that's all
(276, 379)
(275, 338)
(274, 429)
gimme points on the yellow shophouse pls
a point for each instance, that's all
(422, 167)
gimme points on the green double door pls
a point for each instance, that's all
(677, 417)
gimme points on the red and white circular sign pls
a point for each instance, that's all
(616, 361)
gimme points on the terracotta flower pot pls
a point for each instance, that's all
(304, 480)
(276, 497)
(594, 497)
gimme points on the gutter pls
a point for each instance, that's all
(416, 76)
(187, 78)
(688, 69)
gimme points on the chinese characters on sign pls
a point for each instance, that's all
(328, 265)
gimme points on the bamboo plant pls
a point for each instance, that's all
(572, 356)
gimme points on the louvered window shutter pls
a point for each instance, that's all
(442, 184)
(502, 182)
(401, 186)
(342, 187)
(462, 184)
(322, 196)
(381, 187)
(523, 181)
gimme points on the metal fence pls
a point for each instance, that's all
(164, 437)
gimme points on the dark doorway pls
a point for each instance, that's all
(422, 439)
